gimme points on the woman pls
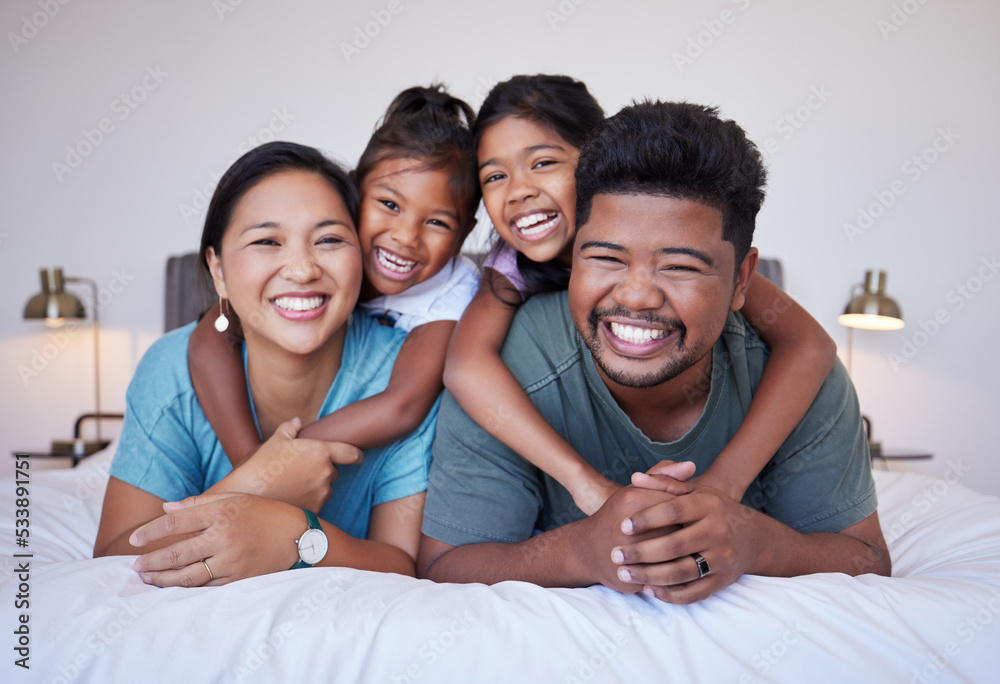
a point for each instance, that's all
(281, 246)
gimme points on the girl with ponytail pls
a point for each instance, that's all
(419, 192)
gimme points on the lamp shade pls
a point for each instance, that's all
(53, 303)
(872, 309)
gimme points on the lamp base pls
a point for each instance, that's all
(78, 447)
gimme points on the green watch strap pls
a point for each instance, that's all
(313, 521)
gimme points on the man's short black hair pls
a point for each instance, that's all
(676, 149)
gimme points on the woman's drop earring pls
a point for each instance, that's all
(222, 323)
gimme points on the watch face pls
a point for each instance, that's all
(313, 546)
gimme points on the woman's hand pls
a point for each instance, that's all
(296, 471)
(236, 535)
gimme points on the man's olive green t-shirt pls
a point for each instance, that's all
(481, 491)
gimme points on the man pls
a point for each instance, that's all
(667, 197)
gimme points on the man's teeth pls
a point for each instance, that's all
(393, 262)
(535, 223)
(630, 333)
(299, 303)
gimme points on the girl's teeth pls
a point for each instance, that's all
(630, 333)
(535, 223)
(299, 303)
(394, 263)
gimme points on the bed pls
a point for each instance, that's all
(85, 620)
(936, 620)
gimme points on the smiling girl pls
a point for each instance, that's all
(280, 244)
(529, 133)
(419, 194)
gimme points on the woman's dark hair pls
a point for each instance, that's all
(561, 104)
(258, 164)
(433, 126)
(680, 150)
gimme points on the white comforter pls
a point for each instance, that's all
(937, 620)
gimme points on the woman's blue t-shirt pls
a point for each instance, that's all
(168, 448)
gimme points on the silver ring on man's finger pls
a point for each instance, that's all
(703, 568)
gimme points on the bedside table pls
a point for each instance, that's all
(906, 454)
(92, 448)
(884, 456)
(66, 449)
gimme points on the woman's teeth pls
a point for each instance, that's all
(630, 333)
(393, 262)
(299, 303)
(535, 223)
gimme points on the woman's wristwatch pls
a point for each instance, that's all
(313, 544)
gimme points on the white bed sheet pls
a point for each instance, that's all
(937, 620)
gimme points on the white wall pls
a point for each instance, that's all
(211, 81)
